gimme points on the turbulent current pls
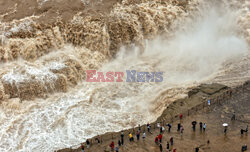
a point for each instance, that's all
(46, 103)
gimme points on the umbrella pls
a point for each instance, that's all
(194, 123)
(225, 124)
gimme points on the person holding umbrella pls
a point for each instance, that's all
(225, 129)
(194, 125)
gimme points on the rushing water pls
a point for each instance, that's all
(46, 103)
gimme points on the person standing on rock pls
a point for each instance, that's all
(119, 143)
(148, 127)
(201, 126)
(244, 148)
(172, 141)
(194, 125)
(168, 146)
(116, 149)
(160, 137)
(178, 127)
(241, 132)
(208, 103)
(82, 148)
(182, 129)
(138, 135)
(161, 129)
(169, 127)
(112, 146)
(160, 147)
(88, 143)
(156, 139)
(225, 129)
(130, 137)
(197, 149)
(204, 127)
(122, 138)
(181, 116)
(158, 124)
(98, 140)
(143, 136)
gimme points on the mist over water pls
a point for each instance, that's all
(194, 53)
(206, 48)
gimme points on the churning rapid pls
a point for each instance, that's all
(46, 103)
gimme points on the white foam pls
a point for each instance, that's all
(27, 73)
(56, 65)
(13, 77)
(23, 26)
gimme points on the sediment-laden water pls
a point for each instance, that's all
(46, 103)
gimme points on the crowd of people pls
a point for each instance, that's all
(158, 139)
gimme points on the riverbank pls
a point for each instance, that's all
(192, 106)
